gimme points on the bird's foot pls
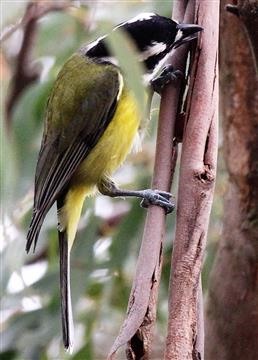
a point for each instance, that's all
(148, 196)
(157, 197)
(168, 75)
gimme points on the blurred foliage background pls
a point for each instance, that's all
(108, 240)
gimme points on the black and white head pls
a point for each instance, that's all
(154, 36)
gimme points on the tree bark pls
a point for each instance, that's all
(232, 303)
(138, 327)
(247, 11)
(140, 345)
(196, 185)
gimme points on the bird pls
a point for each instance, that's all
(91, 121)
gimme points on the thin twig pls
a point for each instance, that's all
(25, 74)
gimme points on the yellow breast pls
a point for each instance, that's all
(114, 145)
(108, 154)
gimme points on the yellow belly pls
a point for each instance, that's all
(108, 154)
(113, 146)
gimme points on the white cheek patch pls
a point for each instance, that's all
(154, 49)
(179, 35)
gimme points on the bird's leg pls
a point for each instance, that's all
(148, 196)
(166, 76)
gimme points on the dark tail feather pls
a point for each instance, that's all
(66, 308)
(34, 229)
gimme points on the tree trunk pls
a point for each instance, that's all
(232, 303)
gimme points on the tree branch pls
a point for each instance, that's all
(198, 350)
(196, 185)
(25, 74)
(138, 326)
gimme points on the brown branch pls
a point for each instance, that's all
(198, 348)
(148, 265)
(196, 185)
(138, 326)
(171, 103)
(25, 74)
(140, 344)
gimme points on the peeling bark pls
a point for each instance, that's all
(232, 304)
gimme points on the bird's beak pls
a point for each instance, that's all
(186, 32)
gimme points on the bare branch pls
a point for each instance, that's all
(198, 348)
(138, 326)
(29, 15)
(149, 260)
(196, 185)
(8, 31)
(25, 74)
(142, 340)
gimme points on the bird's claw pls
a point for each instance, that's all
(167, 75)
(157, 197)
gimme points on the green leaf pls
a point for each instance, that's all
(128, 61)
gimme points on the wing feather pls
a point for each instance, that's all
(68, 141)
